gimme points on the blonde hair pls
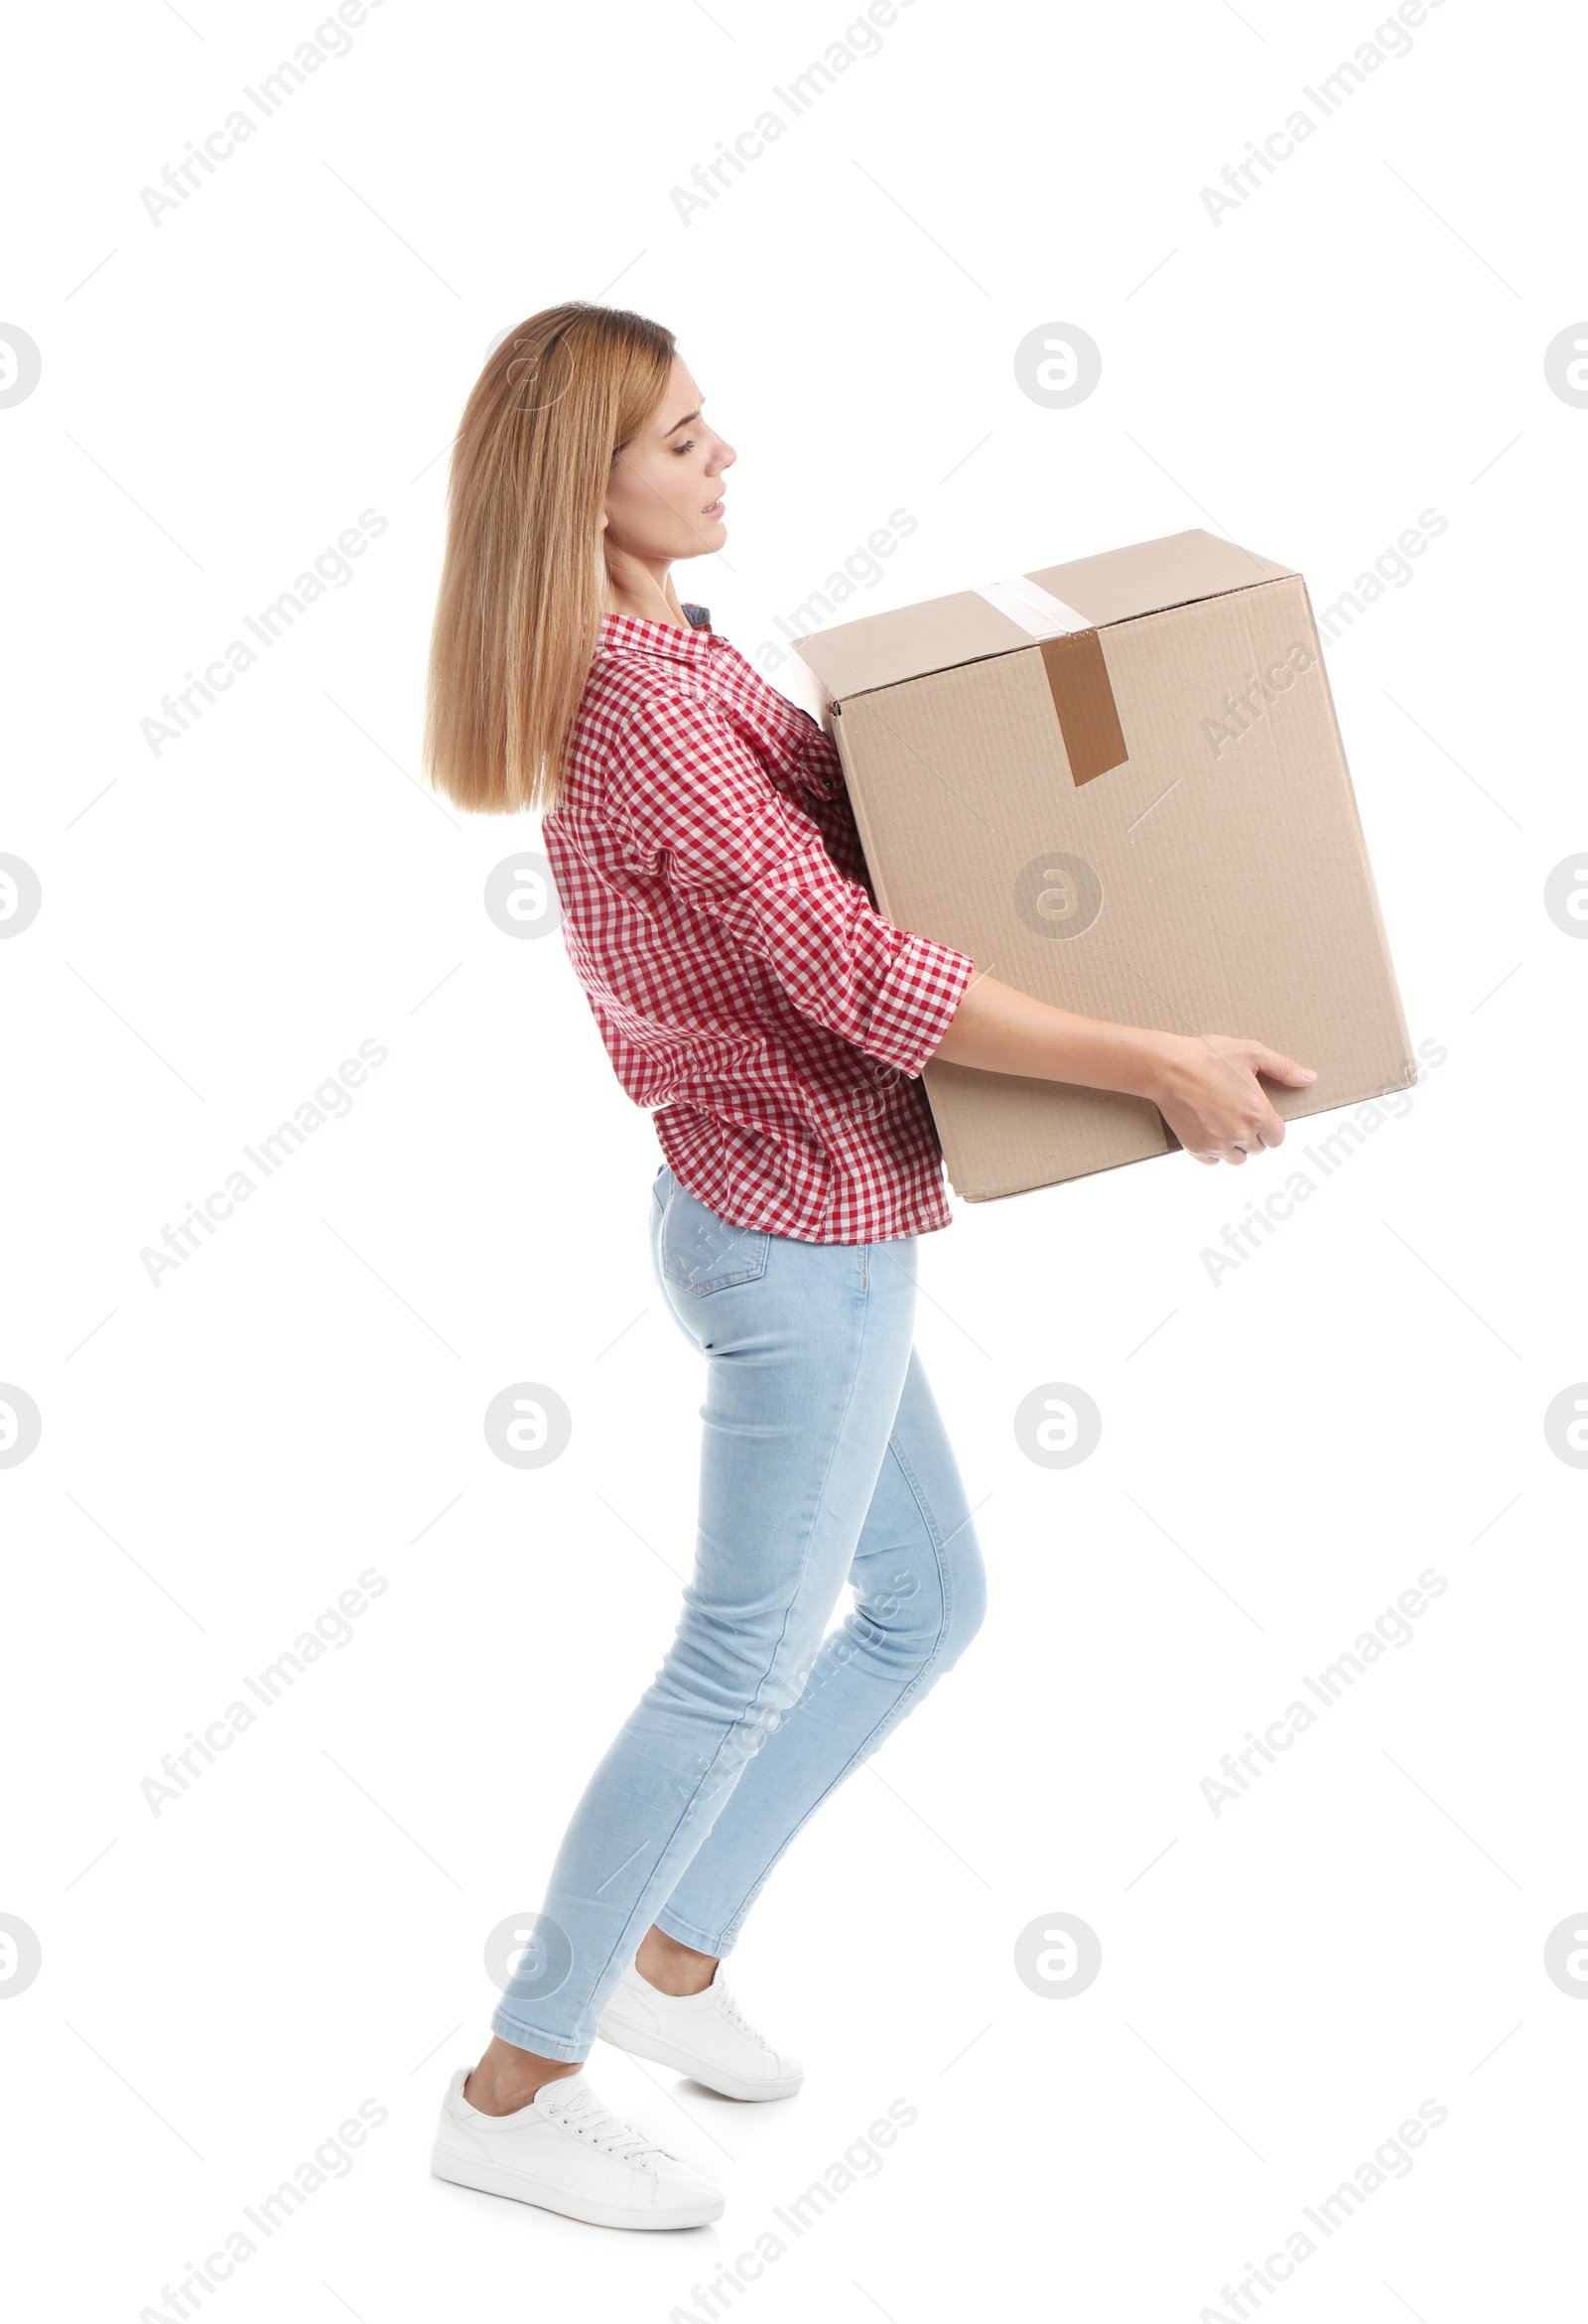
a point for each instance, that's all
(523, 582)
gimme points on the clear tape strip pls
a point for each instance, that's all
(1035, 610)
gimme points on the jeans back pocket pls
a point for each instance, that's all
(701, 1253)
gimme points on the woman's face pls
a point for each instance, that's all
(664, 497)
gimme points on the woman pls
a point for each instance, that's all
(718, 913)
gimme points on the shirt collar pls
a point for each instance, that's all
(815, 765)
(625, 632)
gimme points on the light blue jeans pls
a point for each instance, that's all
(823, 1460)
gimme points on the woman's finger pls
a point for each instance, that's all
(1278, 1067)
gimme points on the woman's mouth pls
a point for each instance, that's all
(716, 508)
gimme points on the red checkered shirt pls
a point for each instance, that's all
(718, 912)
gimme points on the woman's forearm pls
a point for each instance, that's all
(1207, 1086)
(1001, 1030)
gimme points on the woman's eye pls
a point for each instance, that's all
(687, 446)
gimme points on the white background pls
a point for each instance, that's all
(222, 394)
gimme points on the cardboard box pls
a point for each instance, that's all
(1118, 784)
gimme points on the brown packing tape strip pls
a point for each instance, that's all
(1089, 718)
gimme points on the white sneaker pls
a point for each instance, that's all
(705, 2034)
(568, 2152)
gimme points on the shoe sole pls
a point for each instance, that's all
(664, 2053)
(490, 2179)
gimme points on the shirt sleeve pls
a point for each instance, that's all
(698, 809)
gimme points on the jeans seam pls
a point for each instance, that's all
(731, 1928)
(777, 1645)
(543, 2045)
(832, 1456)
(701, 1939)
(621, 1945)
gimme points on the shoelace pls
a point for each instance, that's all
(584, 2112)
(731, 2010)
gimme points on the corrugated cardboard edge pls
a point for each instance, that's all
(1005, 1193)
(1080, 583)
(1408, 1073)
(807, 690)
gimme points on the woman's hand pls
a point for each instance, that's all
(1207, 1090)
